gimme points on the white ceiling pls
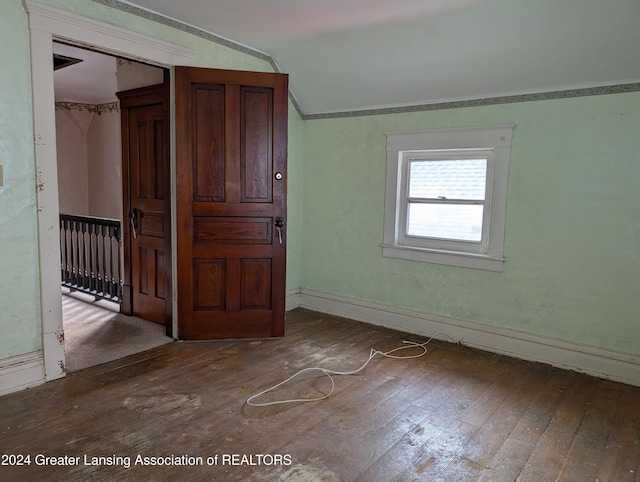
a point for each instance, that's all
(345, 55)
(92, 81)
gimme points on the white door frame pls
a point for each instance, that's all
(47, 24)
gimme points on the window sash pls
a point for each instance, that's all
(405, 200)
(443, 227)
(447, 179)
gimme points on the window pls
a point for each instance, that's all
(446, 196)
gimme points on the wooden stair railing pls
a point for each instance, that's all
(90, 255)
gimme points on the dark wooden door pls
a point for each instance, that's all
(147, 203)
(231, 146)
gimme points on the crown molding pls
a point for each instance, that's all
(460, 104)
(81, 30)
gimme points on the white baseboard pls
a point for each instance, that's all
(293, 299)
(21, 371)
(600, 362)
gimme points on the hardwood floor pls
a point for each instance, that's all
(456, 414)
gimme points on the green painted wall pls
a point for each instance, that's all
(572, 240)
(20, 318)
(294, 198)
(19, 279)
(573, 230)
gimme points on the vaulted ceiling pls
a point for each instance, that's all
(346, 55)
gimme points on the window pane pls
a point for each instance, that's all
(446, 221)
(448, 179)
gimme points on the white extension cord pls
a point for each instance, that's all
(328, 373)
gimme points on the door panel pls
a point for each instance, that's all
(208, 126)
(255, 284)
(209, 284)
(231, 138)
(146, 198)
(232, 230)
(256, 135)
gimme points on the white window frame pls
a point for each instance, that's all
(488, 142)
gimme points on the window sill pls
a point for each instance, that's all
(450, 258)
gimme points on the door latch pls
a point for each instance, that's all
(279, 225)
(133, 218)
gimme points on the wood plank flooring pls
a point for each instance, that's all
(455, 414)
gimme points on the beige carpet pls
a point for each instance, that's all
(95, 333)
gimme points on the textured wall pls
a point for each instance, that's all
(19, 280)
(294, 198)
(89, 162)
(572, 243)
(72, 127)
(132, 75)
(105, 166)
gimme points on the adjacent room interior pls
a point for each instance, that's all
(89, 160)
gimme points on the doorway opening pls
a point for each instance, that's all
(90, 198)
(253, 243)
(48, 24)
